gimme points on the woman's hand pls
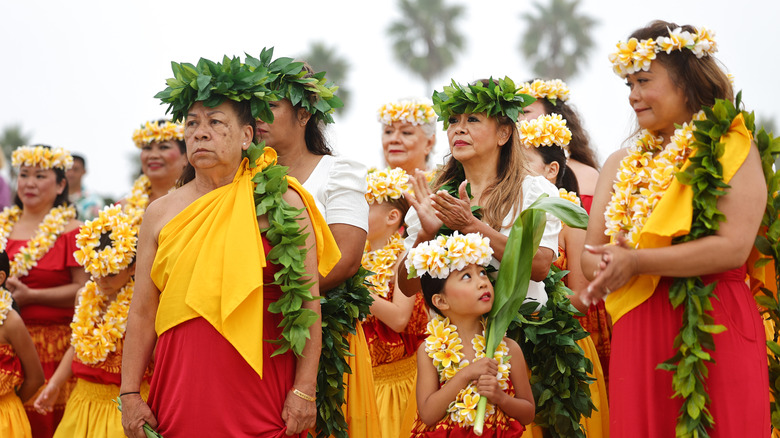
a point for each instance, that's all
(454, 212)
(298, 414)
(135, 412)
(617, 265)
(46, 399)
(21, 293)
(422, 203)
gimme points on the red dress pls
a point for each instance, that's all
(201, 385)
(49, 326)
(640, 395)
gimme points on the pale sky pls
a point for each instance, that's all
(82, 74)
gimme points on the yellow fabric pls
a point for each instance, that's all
(394, 384)
(361, 409)
(210, 258)
(90, 411)
(672, 218)
(13, 419)
(597, 426)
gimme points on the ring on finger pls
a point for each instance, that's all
(609, 291)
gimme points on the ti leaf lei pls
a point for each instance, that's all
(560, 379)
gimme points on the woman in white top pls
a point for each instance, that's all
(487, 162)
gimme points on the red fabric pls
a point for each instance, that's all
(202, 386)
(11, 376)
(587, 201)
(387, 345)
(640, 394)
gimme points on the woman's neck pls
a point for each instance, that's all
(409, 168)
(160, 188)
(480, 177)
(35, 213)
(298, 159)
(207, 180)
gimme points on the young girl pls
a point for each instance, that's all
(21, 373)
(107, 251)
(453, 373)
(396, 326)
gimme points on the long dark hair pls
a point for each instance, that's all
(565, 178)
(314, 136)
(62, 198)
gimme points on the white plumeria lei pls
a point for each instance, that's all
(411, 111)
(387, 184)
(123, 233)
(381, 262)
(447, 254)
(95, 332)
(443, 345)
(551, 90)
(642, 179)
(6, 304)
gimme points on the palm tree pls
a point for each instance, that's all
(557, 39)
(11, 138)
(321, 57)
(425, 37)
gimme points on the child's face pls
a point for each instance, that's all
(111, 284)
(467, 292)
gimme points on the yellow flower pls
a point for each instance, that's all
(153, 131)
(385, 185)
(410, 111)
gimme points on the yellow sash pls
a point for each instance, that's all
(210, 257)
(672, 218)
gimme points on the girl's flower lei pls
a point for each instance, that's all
(385, 185)
(545, 130)
(571, 196)
(112, 258)
(552, 90)
(410, 111)
(95, 332)
(381, 263)
(445, 254)
(642, 179)
(48, 231)
(154, 131)
(443, 345)
(6, 303)
(634, 55)
(41, 156)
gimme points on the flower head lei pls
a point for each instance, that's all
(410, 111)
(386, 185)
(545, 130)
(497, 98)
(446, 254)
(156, 131)
(634, 55)
(113, 258)
(552, 90)
(42, 156)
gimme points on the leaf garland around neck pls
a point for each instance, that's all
(498, 98)
(560, 372)
(768, 244)
(705, 176)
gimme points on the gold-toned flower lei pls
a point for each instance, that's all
(446, 254)
(43, 157)
(545, 130)
(6, 304)
(95, 333)
(381, 262)
(48, 231)
(552, 90)
(387, 184)
(411, 111)
(443, 345)
(112, 258)
(634, 55)
(571, 196)
(157, 132)
(643, 178)
(136, 203)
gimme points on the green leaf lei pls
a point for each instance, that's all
(499, 97)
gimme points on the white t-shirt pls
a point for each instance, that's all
(532, 188)
(338, 186)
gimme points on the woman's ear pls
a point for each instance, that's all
(303, 116)
(504, 132)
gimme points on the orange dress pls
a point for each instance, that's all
(13, 421)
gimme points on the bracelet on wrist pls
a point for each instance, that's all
(128, 393)
(306, 397)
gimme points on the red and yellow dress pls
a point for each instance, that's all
(214, 374)
(13, 421)
(645, 325)
(49, 326)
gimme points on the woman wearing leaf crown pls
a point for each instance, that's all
(227, 276)
(39, 235)
(675, 217)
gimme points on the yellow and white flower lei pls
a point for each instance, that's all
(410, 111)
(545, 130)
(43, 157)
(136, 203)
(551, 90)
(153, 131)
(443, 345)
(387, 184)
(48, 231)
(571, 196)
(634, 55)
(381, 263)
(115, 257)
(6, 304)
(446, 254)
(95, 332)
(642, 179)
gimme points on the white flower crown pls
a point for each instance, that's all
(446, 254)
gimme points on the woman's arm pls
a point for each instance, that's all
(521, 407)
(59, 296)
(395, 314)
(140, 335)
(743, 207)
(20, 339)
(299, 414)
(351, 241)
(573, 242)
(45, 401)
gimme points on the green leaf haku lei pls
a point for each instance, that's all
(498, 97)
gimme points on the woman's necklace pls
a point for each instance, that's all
(95, 333)
(381, 262)
(49, 230)
(139, 195)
